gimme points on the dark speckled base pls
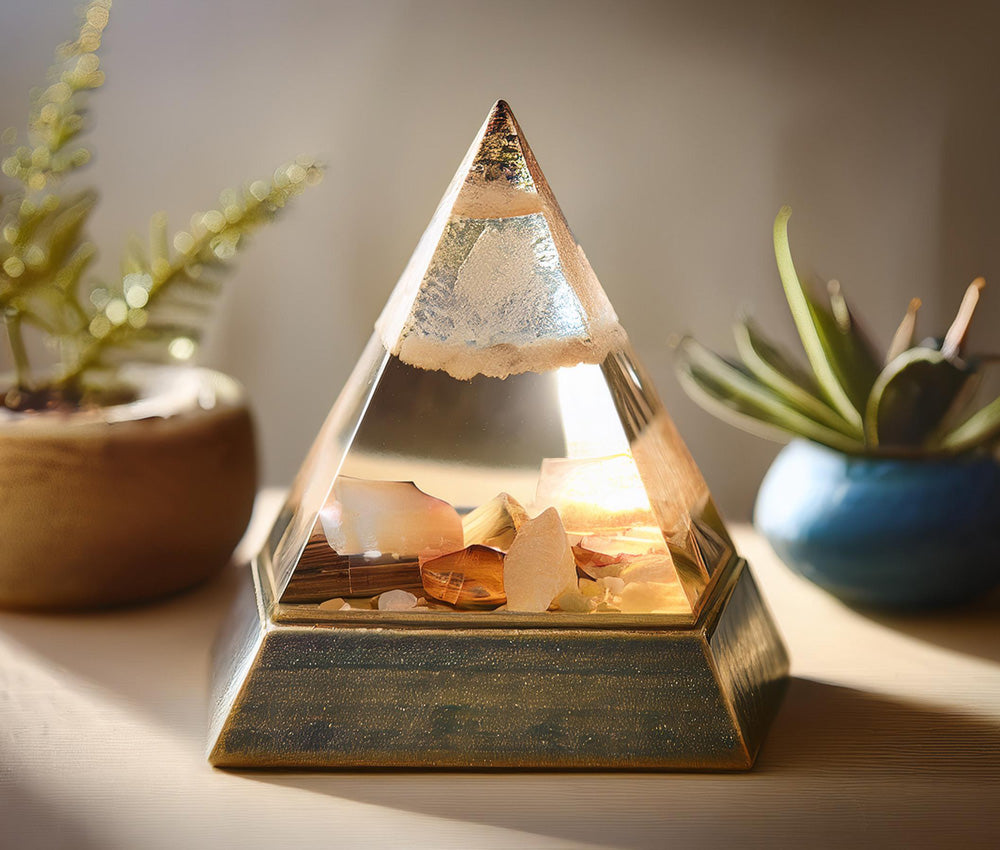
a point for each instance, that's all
(698, 697)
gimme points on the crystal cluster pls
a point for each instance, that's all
(374, 535)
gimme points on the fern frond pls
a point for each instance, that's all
(58, 111)
(41, 252)
(157, 305)
(156, 309)
(42, 245)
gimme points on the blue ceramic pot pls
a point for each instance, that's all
(886, 533)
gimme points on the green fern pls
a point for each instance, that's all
(159, 304)
(906, 403)
(156, 309)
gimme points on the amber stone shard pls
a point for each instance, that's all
(469, 578)
(499, 365)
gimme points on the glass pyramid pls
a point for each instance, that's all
(498, 445)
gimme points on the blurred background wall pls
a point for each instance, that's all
(671, 132)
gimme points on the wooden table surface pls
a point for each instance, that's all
(889, 736)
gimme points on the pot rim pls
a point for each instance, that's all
(165, 391)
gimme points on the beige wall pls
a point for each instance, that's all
(671, 133)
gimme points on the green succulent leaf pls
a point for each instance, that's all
(779, 372)
(953, 343)
(912, 397)
(978, 430)
(734, 394)
(843, 360)
(902, 339)
(849, 325)
(852, 400)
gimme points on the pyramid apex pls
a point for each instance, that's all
(501, 107)
(500, 120)
(497, 284)
(499, 175)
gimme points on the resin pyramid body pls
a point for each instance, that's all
(499, 552)
(499, 365)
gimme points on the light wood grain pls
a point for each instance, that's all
(889, 736)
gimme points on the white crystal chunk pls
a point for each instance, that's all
(539, 565)
(388, 517)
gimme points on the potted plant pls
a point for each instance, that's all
(125, 472)
(890, 494)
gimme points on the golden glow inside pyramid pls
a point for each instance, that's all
(498, 446)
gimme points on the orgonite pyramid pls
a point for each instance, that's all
(498, 522)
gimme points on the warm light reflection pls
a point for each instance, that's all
(589, 418)
(595, 494)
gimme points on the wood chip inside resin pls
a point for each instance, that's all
(494, 523)
(323, 574)
(469, 578)
(539, 564)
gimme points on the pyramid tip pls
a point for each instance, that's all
(499, 177)
(501, 119)
(499, 238)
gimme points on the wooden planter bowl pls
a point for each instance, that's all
(128, 503)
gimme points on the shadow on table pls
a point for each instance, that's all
(154, 656)
(837, 730)
(825, 738)
(972, 629)
(58, 828)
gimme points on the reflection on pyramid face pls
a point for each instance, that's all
(498, 441)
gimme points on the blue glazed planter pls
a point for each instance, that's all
(886, 533)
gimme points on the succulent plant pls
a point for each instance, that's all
(154, 309)
(913, 401)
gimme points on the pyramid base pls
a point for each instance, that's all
(692, 698)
